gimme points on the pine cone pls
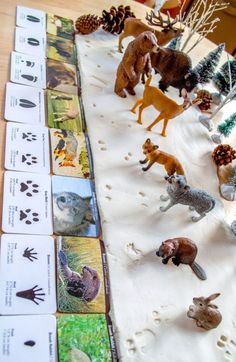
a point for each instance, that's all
(206, 98)
(87, 24)
(223, 155)
(113, 20)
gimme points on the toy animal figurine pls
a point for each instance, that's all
(180, 193)
(136, 60)
(134, 27)
(167, 107)
(182, 251)
(153, 154)
(205, 313)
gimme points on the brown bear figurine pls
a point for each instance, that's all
(135, 61)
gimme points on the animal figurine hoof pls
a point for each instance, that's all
(196, 219)
(121, 94)
(148, 129)
(144, 169)
(164, 198)
(163, 134)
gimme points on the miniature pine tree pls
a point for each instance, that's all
(222, 78)
(174, 43)
(206, 67)
(227, 126)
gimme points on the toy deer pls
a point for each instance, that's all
(134, 27)
(167, 107)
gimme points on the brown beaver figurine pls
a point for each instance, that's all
(135, 61)
(183, 251)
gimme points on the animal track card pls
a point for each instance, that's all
(89, 327)
(61, 49)
(80, 281)
(64, 111)
(60, 26)
(28, 338)
(75, 211)
(30, 41)
(62, 77)
(27, 148)
(69, 153)
(33, 289)
(27, 203)
(28, 69)
(30, 18)
(24, 104)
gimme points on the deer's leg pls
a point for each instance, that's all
(121, 37)
(158, 119)
(163, 133)
(137, 103)
(141, 108)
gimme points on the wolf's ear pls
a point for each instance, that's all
(156, 147)
(186, 187)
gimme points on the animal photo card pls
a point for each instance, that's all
(30, 41)
(24, 104)
(27, 205)
(57, 25)
(27, 148)
(62, 76)
(75, 211)
(94, 338)
(64, 111)
(27, 275)
(80, 276)
(28, 70)
(70, 153)
(30, 18)
(61, 49)
(28, 338)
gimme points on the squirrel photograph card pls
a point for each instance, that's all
(57, 25)
(61, 76)
(70, 153)
(61, 49)
(30, 41)
(94, 338)
(75, 211)
(30, 18)
(64, 111)
(80, 277)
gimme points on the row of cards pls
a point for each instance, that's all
(82, 277)
(35, 338)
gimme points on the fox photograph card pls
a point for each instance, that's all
(64, 111)
(28, 338)
(57, 25)
(80, 277)
(62, 76)
(27, 205)
(69, 153)
(28, 69)
(30, 18)
(92, 341)
(61, 49)
(27, 275)
(24, 104)
(75, 211)
(30, 41)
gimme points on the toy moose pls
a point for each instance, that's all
(134, 27)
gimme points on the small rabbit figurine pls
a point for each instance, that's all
(205, 313)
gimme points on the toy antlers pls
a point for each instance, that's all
(157, 20)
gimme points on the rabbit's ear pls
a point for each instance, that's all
(212, 297)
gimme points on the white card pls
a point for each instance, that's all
(28, 338)
(30, 18)
(27, 148)
(27, 275)
(28, 70)
(24, 104)
(30, 41)
(27, 203)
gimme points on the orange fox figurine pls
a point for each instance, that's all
(167, 107)
(170, 163)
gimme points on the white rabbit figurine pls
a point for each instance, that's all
(205, 313)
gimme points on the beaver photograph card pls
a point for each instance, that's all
(57, 25)
(69, 153)
(92, 341)
(61, 76)
(80, 277)
(75, 211)
(64, 111)
(61, 49)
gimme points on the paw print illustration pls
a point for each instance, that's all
(30, 254)
(29, 159)
(29, 136)
(30, 187)
(28, 216)
(34, 294)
